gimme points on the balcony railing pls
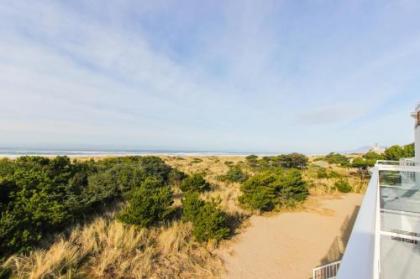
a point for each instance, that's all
(328, 271)
(385, 241)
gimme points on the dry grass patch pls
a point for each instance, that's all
(106, 248)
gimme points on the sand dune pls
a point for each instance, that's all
(290, 244)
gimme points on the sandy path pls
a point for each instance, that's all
(289, 245)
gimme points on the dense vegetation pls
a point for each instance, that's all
(293, 160)
(234, 174)
(209, 221)
(343, 186)
(394, 153)
(273, 188)
(397, 152)
(337, 158)
(195, 183)
(40, 196)
(148, 203)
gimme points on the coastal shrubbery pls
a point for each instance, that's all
(209, 221)
(234, 174)
(148, 203)
(397, 152)
(194, 183)
(41, 196)
(293, 160)
(343, 186)
(275, 188)
(336, 158)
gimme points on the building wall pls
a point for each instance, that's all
(417, 143)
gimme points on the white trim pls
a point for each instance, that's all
(377, 252)
(399, 235)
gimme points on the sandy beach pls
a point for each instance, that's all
(290, 244)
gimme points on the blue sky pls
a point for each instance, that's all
(276, 76)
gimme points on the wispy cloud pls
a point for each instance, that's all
(237, 75)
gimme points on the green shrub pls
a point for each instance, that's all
(252, 160)
(191, 205)
(322, 173)
(338, 159)
(334, 174)
(5, 273)
(397, 152)
(343, 186)
(209, 221)
(175, 177)
(292, 160)
(229, 163)
(235, 174)
(148, 204)
(41, 196)
(280, 187)
(196, 160)
(195, 183)
(362, 163)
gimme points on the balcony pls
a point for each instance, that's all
(385, 241)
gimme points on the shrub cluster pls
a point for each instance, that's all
(397, 152)
(148, 203)
(292, 160)
(194, 183)
(268, 189)
(337, 158)
(209, 221)
(40, 196)
(324, 173)
(343, 186)
(234, 174)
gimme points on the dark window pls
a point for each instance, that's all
(418, 118)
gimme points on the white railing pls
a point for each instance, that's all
(408, 168)
(362, 258)
(328, 271)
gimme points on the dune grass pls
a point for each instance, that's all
(106, 248)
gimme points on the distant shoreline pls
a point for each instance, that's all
(15, 154)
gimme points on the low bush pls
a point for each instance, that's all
(209, 221)
(148, 204)
(5, 273)
(397, 152)
(41, 196)
(234, 174)
(338, 159)
(322, 173)
(343, 186)
(175, 177)
(292, 160)
(195, 183)
(196, 161)
(276, 188)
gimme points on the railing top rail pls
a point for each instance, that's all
(396, 166)
(327, 265)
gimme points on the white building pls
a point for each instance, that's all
(385, 240)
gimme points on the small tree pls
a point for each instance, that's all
(397, 152)
(343, 186)
(148, 204)
(235, 174)
(278, 187)
(209, 221)
(195, 183)
(191, 205)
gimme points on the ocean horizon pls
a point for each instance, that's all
(4, 152)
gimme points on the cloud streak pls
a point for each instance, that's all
(219, 76)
